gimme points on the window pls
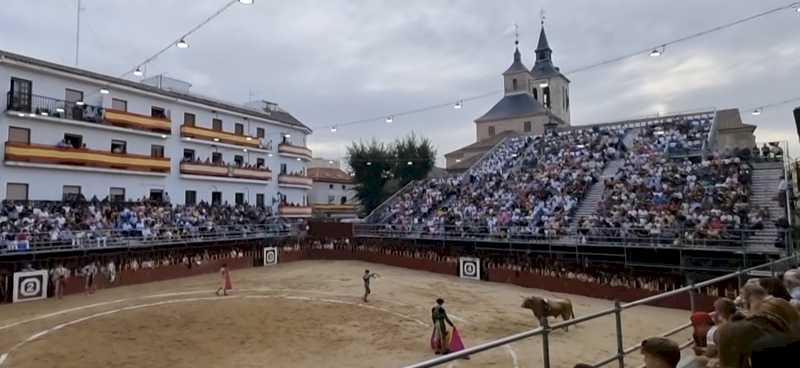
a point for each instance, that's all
(72, 95)
(118, 104)
(216, 158)
(157, 151)
(158, 112)
(546, 96)
(73, 140)
(527, 126)
(343, 200)
(260, 133)
(491, 131)
(71, 193)
(190, 197)
(283, 169)
(535, 94)
(239, 199)
(216, 124)
(118, 146)
(344, 187)
(514, 84)
(188, 154)
(330, 186)
(285, 139)
(156, 195)
(117, 194)
(188, 119)
(238, 128)
(216, 198)
(260, 199)
(331, 198)
(17, 192)
(260, 163)
(566, 98)
(239, 160)
(21, 93)
(19, 135)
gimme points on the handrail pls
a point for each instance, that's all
(546, 328)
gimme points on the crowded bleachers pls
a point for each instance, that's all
(24, 225)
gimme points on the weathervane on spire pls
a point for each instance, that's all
(541, 16)
(516, 34)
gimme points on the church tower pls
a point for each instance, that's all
(549, 86)
(517, 77)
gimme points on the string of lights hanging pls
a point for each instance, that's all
(181, 42)
(760, 109)
(653, 51)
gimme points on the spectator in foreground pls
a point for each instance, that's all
(701, 324)
(768, 338)
(660, 352)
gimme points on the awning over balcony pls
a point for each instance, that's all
(43, 154)
(219, 136)
(137, 121)
(290, 150)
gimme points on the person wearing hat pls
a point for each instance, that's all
(768, 338)
(660, 352)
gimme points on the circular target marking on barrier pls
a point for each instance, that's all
(30, 287)
(470, 268)
(270, 256)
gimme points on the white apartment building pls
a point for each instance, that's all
(333, 195)
(69, 132)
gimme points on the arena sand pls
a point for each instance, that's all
(303, 314)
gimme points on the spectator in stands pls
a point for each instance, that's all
(660, 352)
(768, 338)
(791, 281)
(701, 325)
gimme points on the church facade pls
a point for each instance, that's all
(533, 100)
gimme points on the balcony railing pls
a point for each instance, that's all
(137, 121)
(295, 211)
(225, 171)
(44, 154)
(288, 180)
(290, 150)
(219, 136)
(61, 109)
(51, 107)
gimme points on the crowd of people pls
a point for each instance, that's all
(261, 166)
(93, 223)
(527, 185)
(667, 200)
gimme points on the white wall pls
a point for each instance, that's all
(46, 184)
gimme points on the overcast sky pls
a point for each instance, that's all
(333, 61)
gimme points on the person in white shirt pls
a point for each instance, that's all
(89, 276)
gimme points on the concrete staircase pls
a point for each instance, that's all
(766, 178)
(588, 205)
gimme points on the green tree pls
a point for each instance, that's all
(415, 158)
(372, 165)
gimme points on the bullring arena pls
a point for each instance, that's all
(302, 314)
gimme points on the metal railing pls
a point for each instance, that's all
(635, 237)
(546, 328)
(52, 107)
(116, 238)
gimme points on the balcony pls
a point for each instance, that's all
(293, 211)
(290, 150)
(219, 136)
(294, 181)
(29, 105)
(137, 121)
(224, 171)
(81, 157)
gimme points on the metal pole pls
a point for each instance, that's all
(691, 295)
(78, 33)
(545, 343)
(772, 267)
(739, 278)
(620, 347)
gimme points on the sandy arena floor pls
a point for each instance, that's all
(301, 314)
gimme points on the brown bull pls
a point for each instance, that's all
(544, 307)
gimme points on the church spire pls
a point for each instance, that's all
(517, 66)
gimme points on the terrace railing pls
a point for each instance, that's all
(617, 311)
(52, 107)
(105, 239)
(634, 237)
